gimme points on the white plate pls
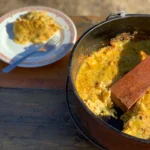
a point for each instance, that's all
(11, 51)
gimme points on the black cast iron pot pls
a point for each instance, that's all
(107, 133)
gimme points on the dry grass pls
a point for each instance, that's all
(82, 7)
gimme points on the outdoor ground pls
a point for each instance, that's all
(83, 7)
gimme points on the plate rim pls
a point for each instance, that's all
(48, 9)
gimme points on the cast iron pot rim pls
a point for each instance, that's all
(74, 89)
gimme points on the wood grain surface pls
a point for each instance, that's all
(52, 76)
(37, 120)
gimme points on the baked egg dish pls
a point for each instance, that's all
(35, 27)
(106, 66)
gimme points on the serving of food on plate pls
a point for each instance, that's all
(27, 29)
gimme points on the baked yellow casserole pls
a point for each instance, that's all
(35, 27)
(104, 67)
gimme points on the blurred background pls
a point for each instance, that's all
(82, 7)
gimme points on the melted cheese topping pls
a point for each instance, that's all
(35, 27)
(103, 68)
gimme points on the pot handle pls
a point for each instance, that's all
(118, 14)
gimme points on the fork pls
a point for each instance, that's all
(52, 42)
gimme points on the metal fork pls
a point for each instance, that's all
(52, 42)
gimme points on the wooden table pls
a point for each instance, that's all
(33, 114)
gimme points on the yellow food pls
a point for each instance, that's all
(137, 120)
(35, 27)
(103, 68)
